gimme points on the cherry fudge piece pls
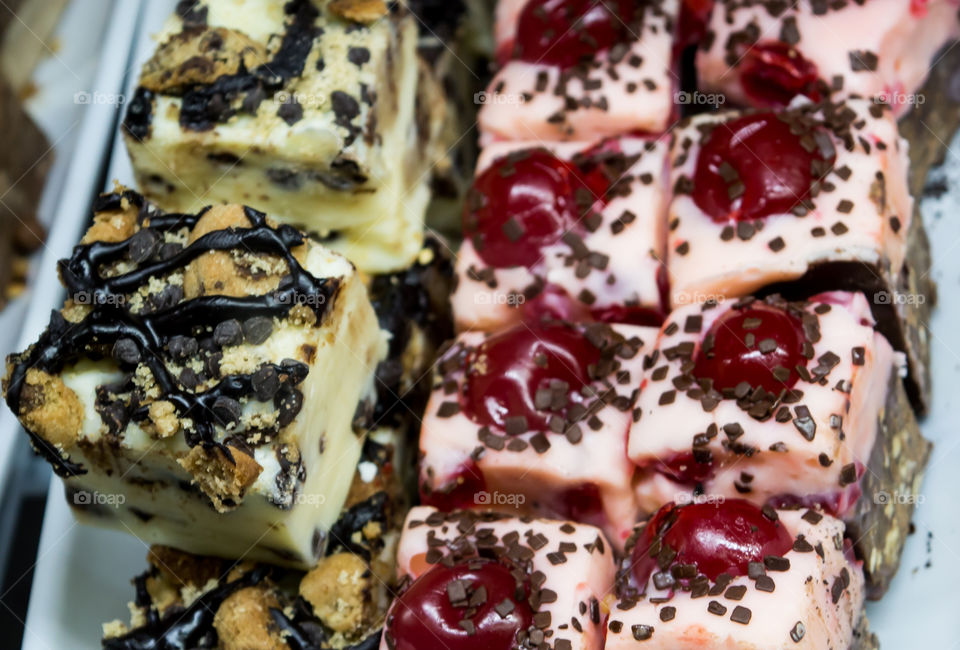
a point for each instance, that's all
(210, 369)
(572, 230)
(780, 403)
(186, 601)
(534, 420)
(580, 70)
(490, 581)
(764, 54)
(801, 201)
(730, 575)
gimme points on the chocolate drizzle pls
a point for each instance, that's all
(183, 629)
(110, 320)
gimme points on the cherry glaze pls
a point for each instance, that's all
(460, 491)
(424, 616)
(773, 73)
(565, 32)
(731, 361)
(775, 170)
(505, 372)
(715, 537)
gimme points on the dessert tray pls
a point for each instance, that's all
(680, 377)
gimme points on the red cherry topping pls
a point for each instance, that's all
(459, 492)
(518, 205)
(685, 468)
(773, 73)
(443, 606)
(692, 24)
(760, 345)
(517, 379)
(714, 537)
(753, 167)
(565, 32)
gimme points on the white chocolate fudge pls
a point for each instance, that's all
(340, 603)
(765, 53)
(602, 261)
(810, 596)
(564, 570)
(558, 81)
(534, 420)
(768, 401)
(305, 110)
(203, 377)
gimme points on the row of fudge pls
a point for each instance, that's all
(773, 401)
(795, 201)
(696, 575)
(579, 70)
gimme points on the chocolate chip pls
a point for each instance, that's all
(716, 608)
(183, 347)
(642, 632)
(126, 351)
(290, 405)
(227, 410)
(143, 245)
(741, 614)
(358, 55)
(257, 329)
(265, 383)
(229, 332)
(797, 632)
(668, 613)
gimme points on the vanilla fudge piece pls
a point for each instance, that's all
(773, 579)
(577, 70)
(494, 581)
(575, 230)
(801, 201)
(534, 420)
(208, 602)
(783, 403)
(306, 110)
(205, 372)
(764, 53)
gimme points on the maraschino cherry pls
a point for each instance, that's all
(773, 73)
(714, 537)
(474, 604)
(533, 371)
(760, 344)
(565, 32)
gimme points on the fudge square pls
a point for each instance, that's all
(534, 420)
(306, 110)
(782, 403)
(487, 580)
(580, 70)
(187, 380)
(730, 575)
(800, 201)
(574, 230)
(764, 54)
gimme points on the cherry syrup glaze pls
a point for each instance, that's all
(772, 73)
(755, 166)
(714, 538)
(565, 32)
(685, 468)
(692, 24)
(440, 607)
(760, 345)
(532, 372)
(459, 492)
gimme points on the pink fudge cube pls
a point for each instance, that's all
(559, 81)
(789, 582)
(809, 186)
(760, 57)
(765, 400)
(564, 569)
(594, 247)
(534, 420)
